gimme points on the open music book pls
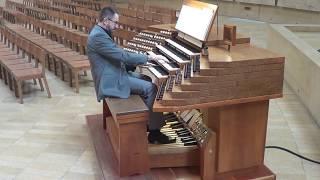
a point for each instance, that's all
(196, 18)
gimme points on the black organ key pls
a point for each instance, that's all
(186, 140)
(160, 70)
(177, 126)
(184, 134)
(187, 46)
(174, 65)
(177, 53)
(190, 143)
(168, 117)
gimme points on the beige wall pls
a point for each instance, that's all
(268, 13)
(286, 11)
(302, 66)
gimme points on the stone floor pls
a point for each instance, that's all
(49, 139)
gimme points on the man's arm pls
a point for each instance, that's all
(106, 47)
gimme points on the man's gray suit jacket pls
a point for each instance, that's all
(108, 62)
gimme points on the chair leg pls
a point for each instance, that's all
(61, 70)
(15, 88)
(46, 86)
(41, 85)
(55, 67)
(10, 81)
(76, 80)
(70, 76)
(5, 77)
(20, 91)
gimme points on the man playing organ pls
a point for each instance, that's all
(108, 68)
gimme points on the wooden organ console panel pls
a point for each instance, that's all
(230, 86)
(125, 121)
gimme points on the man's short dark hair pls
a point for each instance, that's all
(107, 12)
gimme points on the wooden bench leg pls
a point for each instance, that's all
(76, 81)
(9, 81)
(70, 77)
(48, 63)
(15, 88)
(55, 67)
(40, 83)
(46, 86)
(5, 76)
(20, 91)
(61, 70)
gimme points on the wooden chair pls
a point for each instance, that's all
(15, 68)
(34, 73)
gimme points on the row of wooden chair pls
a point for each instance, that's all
(92, 4)
(89, 14)
(159, 18)
(66, 4)
(15, 68)
(76, 40)
(10, 15)
(153, 9)
(35, 12)
(41, 13)
(48, 5)
(129, 25)
(70, 20)
(58, 56)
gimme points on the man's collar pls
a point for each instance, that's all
(107, 31)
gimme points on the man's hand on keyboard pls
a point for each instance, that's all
(155, 57)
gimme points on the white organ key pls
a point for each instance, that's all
(164, 64)
(183, 49)
(156, 73)
(172, 55)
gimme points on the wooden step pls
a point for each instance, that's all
(178, 93)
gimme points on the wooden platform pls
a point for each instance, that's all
(108, 162)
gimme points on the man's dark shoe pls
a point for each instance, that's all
(157, 137)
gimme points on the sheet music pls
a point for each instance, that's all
(195, 21)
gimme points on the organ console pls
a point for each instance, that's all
(216, 106)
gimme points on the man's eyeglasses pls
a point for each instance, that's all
(115, 22)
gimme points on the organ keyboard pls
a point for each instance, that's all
(184, 61)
